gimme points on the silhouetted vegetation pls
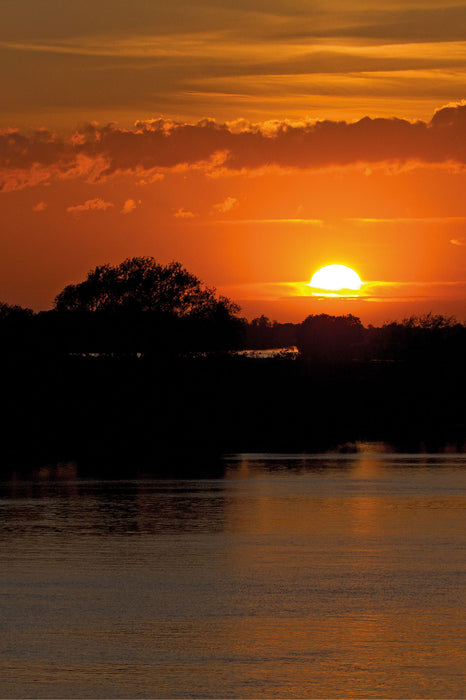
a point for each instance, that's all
(142, 285)
(135, 308)
(325, 338)
(422, 340)
(16, 329)
(119, 374)
(262, 333)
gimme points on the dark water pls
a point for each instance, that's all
(312, 577)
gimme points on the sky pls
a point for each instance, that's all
(253, 141)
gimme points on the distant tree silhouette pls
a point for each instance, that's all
(325, 338)
(420, 339)
(261, 322)
(430, 322)
(15, 328)
(261, 333)
(14, 313)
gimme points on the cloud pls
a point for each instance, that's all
(165, 55)
(422, 24)
(14, 179)
(90, 205)
(190, 29)
(129, 206)
(458, 241)
(40, 206)
(411, 220)
(150, 177)
(162, 145)
(183, 214)
(227, 205)
(371, 291)
(239, 222)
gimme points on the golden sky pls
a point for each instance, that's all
(252, 141)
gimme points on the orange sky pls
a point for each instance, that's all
(252, 141)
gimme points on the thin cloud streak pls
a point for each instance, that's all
(206, 45)
(310, 222)
(371, 291)
(406, 82)
(409, 220)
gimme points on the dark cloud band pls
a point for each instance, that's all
(99, 151)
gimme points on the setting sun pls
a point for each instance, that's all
(336, 278)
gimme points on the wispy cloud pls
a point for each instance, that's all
(130, 205)
(182, 213)
(227, 205)
(40, 206)
(410, 220)
(371, 291)
(308, 222)
(257, 56)
(90, 205)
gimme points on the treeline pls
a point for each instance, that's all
(261, 334)
(135, 365)
(115, 333)
(320, 338)
(337, 339)
(142, 308)
(128, 332)
(138, 307)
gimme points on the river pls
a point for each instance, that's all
(284, 576)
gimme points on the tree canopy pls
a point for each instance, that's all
(141, 306)
(141, 284)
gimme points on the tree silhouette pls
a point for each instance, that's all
(141, 284)
(14, 313)
(325, 338)
(141, 306)
(420, 339)
(15, 328)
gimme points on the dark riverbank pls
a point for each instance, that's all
(115, 414)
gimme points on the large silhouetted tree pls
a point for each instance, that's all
(141, 284)
(143, 306)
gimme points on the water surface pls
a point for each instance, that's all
(288, 576)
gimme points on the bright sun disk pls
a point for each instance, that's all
(335, 278)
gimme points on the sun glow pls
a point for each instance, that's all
(336, 279)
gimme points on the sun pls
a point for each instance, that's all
(336, 278)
